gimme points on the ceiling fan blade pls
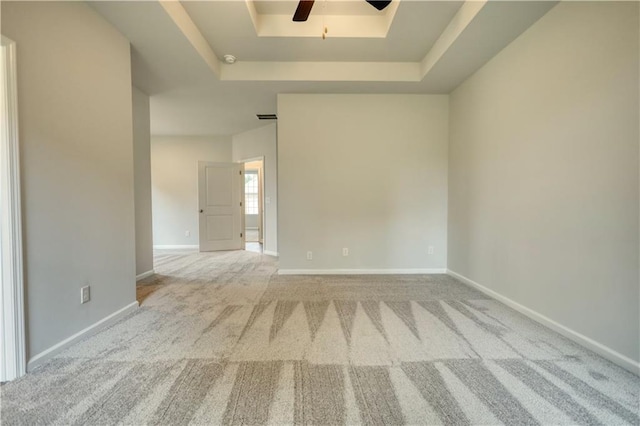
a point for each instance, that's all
(303, 10)
(379, 4)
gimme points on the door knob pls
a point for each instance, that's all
(201, 211)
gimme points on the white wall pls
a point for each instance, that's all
(365, 172)
(174, 179)
(544, 195)
(258, 143)
(74, 100)
(142, 181)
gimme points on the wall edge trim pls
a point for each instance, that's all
(177, 246)
(600, 349)
(111, 319)
(144, 275)
(408, 271)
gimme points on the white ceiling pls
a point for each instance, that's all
(430, 47)
(228, 28)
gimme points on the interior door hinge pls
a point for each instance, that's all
(240, 203)
(240, 171)
(241, 235)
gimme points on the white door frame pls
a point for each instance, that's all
(261, 198)
(12, 329)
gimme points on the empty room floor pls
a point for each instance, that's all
(220, 338)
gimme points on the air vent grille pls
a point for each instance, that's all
(267, 116)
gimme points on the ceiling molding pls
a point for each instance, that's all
(340, 26)
(327, 71)
(183, 21)
(322, 71)
(391, 14)
(451, 33)
(253, 13)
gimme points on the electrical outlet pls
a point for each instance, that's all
(85, 294)
(187, 233)
(345, 251)
(430, 250)
(309, 255)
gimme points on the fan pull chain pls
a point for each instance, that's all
(324, 14)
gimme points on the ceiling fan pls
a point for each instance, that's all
(304, 8)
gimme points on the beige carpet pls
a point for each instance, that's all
(221, 339)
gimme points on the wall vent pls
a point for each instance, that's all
(267, 116)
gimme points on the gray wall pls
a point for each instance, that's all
(251, 221)
(365, 172)
(257, 143)
(74, 100)
(174, 179)
(142, 181)
(543, 183)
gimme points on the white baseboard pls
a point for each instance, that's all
(144, 275)
(47, 354)
(602, 350)
(270, 253)
(176, 247)
(361, 271)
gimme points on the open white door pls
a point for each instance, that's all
(220, 195)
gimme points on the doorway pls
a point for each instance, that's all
(254, 204)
